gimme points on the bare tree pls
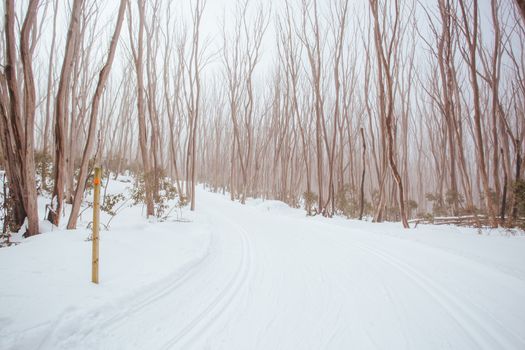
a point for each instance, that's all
(49, 94)
(470, 31)
(384, 51)
(311, 39)
(194, 104)
(138, 54)
(88, 149)
(240, 61)
(521, 7)
(19, 117)
(57, 198)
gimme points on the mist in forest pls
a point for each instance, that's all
(386, 110)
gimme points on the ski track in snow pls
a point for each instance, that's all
(205, 319)
(197, 325)
(483, 328)
(465, 313)
(134, 304)
(276, 281)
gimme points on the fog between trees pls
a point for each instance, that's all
(386, 109)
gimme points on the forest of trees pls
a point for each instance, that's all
(391, 110)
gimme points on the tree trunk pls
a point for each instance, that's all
(362, 190)
(138, 56)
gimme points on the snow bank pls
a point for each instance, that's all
(45, 281)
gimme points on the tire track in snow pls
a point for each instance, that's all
(465, 316)
(200, 324)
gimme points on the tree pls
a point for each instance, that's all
(384, 51)
(57, 198)
(95, 103)
(521, 7)
(138, 54)
(19, 118)
(470, 30)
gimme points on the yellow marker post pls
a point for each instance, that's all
(96, 224)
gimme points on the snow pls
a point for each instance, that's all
(263, 276)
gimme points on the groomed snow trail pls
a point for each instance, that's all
(274, 279)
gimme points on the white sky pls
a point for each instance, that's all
(213, 16)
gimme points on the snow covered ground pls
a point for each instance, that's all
(264, 276)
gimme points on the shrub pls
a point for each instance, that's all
(347, 202)
(309, 200)
(44, 172)
(110, 201)
(519, 191)
(167, 191)
(438, 205)
(411, 205)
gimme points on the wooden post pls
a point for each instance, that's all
(96, 224)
